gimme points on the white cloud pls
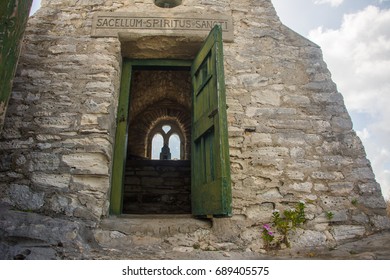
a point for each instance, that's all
(333, 3)
(358, 56)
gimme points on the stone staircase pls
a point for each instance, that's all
(157, 187)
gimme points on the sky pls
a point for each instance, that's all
(354, 36)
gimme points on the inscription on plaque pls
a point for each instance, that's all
(110, 24)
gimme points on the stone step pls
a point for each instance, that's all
(160, 226)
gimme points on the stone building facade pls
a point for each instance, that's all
(290, 136)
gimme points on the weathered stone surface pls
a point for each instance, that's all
(343, 232)
(308, 238)
(24, 198)
(60, 181)
(380, 222)
(43, 236)
(290, 135)
(87, 163)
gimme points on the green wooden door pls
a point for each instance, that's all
(210, 182)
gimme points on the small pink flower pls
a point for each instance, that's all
(270, 233)
(267, 227)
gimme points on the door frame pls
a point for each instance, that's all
(218, 189)
(122, 121)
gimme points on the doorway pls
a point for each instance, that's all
(200, 126)
(158, 171)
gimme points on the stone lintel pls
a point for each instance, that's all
(108, 24)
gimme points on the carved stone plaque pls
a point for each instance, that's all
(111, 24)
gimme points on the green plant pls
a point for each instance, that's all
(268, 236)
(354, 202)
(329, 215)
(284, 223)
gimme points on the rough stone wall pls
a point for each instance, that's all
(290, 135)
(56, 146)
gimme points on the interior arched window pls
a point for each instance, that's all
(166, 142)
(157, 145)
(174, 146)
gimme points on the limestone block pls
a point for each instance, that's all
(313, 139)
(259, 213)
(290, 139)
(373, 201)
(341, 124)
(57, 49)
(369, 188)
(266, 97)
(252, 81)
(301, 187)
(341, 188)
(271, 195)
(61, 204)
(259, 139)
(236, 142)
(360, 218)
(100, 86)
(339, 216)
(297, 153)
(336, 161)
(272, 152)
(296, 100)
(332, 203)
(320, 86)
(329, 176)
(89, 119)
(91, 183)
(305, 164)
(24, 198)
(91, 204)
(304, 125)
(295, 175)
(96, 106)
(87, 163)
(327, 97)
(44, 162)
(58, 122)
(320, 187)
(60, 181)
(92, 145)
(16, 144)
(307, 238)
(380, 222)
(235, 131)
(343, 232)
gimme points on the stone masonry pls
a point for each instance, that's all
(290, 136)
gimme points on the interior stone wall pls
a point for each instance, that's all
(157, 187)
(290, 135)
